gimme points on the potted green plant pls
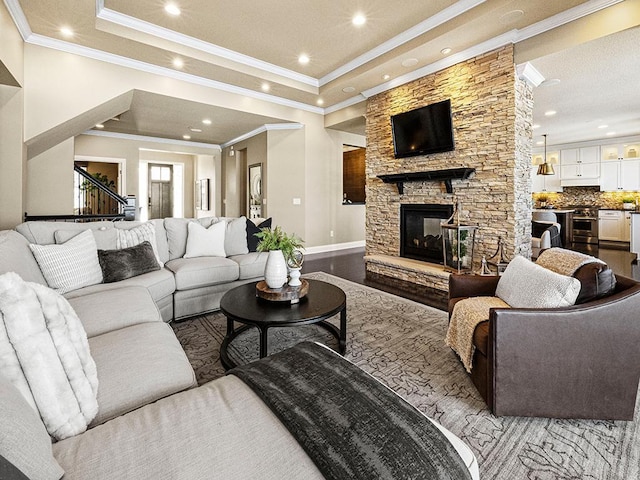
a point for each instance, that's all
(282, 249)
(628, 203)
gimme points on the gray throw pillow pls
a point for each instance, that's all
(128, 262)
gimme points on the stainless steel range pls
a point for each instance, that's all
(585, 224)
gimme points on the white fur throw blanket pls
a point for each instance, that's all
(466, 315)
(44, 352)
(564, 262)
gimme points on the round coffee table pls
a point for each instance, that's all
(241, 305)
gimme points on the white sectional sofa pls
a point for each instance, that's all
(152, 420)
(184, 286)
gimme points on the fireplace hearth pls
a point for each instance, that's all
(420, 232)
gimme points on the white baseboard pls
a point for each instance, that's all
(333, 247)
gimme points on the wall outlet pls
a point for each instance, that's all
(331, 233)
(296, 201)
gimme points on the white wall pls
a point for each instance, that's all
(50, 181)
(12, 152)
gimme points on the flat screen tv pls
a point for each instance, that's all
(423, 130)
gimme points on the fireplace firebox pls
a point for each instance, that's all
(420, 232)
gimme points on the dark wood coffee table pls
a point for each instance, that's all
(241, 305)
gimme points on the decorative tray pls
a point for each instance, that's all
(282, 294)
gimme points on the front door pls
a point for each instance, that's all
(160, 191)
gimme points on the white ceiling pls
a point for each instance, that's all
(247, 43)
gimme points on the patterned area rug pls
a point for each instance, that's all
(401, 343)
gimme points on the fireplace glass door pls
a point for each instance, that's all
(420, 232)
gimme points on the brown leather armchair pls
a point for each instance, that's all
(581, 361)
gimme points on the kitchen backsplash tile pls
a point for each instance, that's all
(584, 196)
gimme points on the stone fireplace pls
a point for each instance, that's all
(420, 232)
(492, 114)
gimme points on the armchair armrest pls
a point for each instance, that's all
(472, 285)
(573, 362)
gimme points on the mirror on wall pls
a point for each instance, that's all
(254, 179)
(353, 175)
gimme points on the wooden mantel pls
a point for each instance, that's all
(445, 175)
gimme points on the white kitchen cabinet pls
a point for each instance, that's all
(545, 183)
(626, 234)
(620, 168)
(580, 166)
(611, 225)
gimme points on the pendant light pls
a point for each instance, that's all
(545, 168)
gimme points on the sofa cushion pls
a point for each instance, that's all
(205, 242)
(219, 430)
(252, 229)
(176, 229)
(138, 365)
(16, 256)
(71, 265)
(160, 283)
(105, 237)
(251, 264)
(43, 232)
(138, 234)
(235, 238)
(203, 271)
(128, 262)
(109, 310)
(597, 280)
(24, 441)
(527, 285)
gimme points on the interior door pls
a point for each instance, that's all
(160, 191)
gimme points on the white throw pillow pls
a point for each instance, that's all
(71, 265)
(527, 285)
(205, 242)
(235, 238)
(136, 235)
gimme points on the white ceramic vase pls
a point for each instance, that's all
(275, 271)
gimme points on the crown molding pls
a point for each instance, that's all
(563, 18)
(145, 138)
(345, 103)
(430, 23)
(80, 50)
(264, 128)
(142, 26)
(19, 18)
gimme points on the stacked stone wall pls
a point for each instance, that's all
(492, 117)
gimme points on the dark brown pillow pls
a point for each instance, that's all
(127, 262)
(596, 281)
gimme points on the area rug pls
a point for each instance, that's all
(401, 343)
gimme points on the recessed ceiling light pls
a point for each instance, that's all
(535, 125)
(265, 87)
(348, 89)
(99, 125)
(320, 101)
(445, 51)
(359, 19)
(409, 62)
(186, 137)
(603, 126)
(172, 9)
(206, 121)
(511, 16)
(550, 82)
(178, 63)
(303, 59)
(386, 77)
(609, 134)
(550, 113)
(195, 130)
(66, 32)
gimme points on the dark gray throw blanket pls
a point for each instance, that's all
(349, 424)
(538, 228)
